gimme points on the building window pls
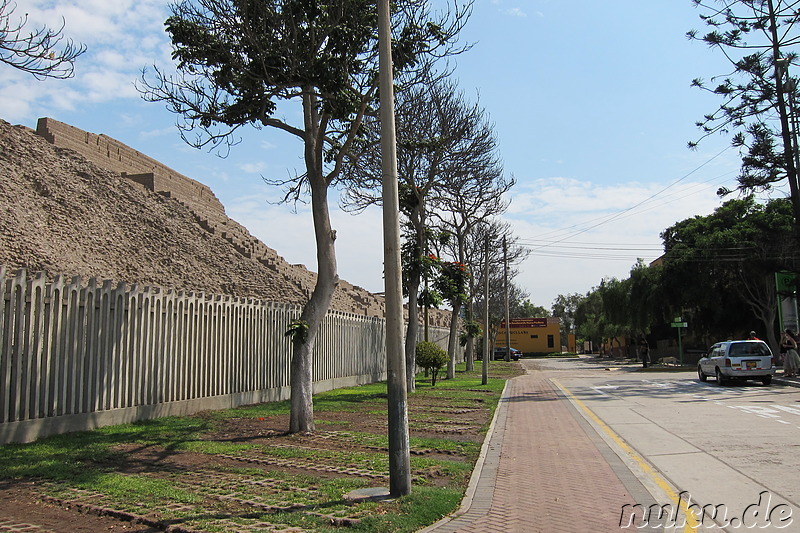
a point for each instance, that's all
(551, 341)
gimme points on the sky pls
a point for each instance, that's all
(591, 104)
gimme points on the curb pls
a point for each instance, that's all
(469, 495)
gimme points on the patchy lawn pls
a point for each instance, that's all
(238, 470)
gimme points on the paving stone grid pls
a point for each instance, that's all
(545, 470)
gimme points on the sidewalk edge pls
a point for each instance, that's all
(466, 502)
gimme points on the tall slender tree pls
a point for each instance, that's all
(444, 146)
(495, 230)
(759, 38)
(474, 196)
(237, 59)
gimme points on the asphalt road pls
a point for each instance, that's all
(731, 453)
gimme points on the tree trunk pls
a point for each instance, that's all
(786, 133)
(417, 217)
(470, 348)
(301, 418)
(453, 341)
(412, 333)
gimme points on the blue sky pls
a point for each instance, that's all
(591, 102)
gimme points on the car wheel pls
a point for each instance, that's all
(721, 380)
(700, 374)
(766, 380)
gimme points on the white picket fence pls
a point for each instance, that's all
(79, 355)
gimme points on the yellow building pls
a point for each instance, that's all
(532, 335)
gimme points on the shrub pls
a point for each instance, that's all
(432, 358)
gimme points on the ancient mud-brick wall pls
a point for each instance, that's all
(115, 156)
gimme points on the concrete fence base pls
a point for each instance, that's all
(77, 356)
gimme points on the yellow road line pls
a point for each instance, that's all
(691, 520)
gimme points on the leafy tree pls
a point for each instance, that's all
(38, 52)
(238, 59)
(421, 140)
(623, 310)
(717, 273)
(565, 307)
(587, 315)
(472, 329)
(758, 38)
(721, 267)
(418, 268)
(453, 284)
(616, 302)
(648, 309)
(432, 358)
(526, 309)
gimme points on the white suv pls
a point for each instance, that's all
(731, 360)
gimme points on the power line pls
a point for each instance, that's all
(615, 216)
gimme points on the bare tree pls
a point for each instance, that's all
(43, 52)
(473, 194)
(495, 230)
(446, 148)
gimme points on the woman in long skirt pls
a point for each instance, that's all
(791, 360)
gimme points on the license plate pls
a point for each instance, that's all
(751, 364)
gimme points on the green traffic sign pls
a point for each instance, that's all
(679, 324)
(786, 282)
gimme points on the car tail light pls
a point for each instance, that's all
(727, 361)
(772, 361)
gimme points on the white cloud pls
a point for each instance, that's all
(102, 86)
(359, 238)
(121, 37)
(18, 94)
(253, 168)
(581, 232)
(169, 130)
(515, 12)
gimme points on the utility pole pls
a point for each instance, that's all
(508, 313)
(399, 454)
(485, 361)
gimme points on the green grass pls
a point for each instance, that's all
(209, 447)
(97, 462)
(261, 410)
(425, 505)
(142, 490)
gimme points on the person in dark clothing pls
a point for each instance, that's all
(644, 353)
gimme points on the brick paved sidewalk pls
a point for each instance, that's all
(545, 469)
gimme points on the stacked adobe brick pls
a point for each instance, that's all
(153, 175)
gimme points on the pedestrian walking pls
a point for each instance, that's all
(644, 353)
(791, 360)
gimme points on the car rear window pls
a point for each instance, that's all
(749, 348)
